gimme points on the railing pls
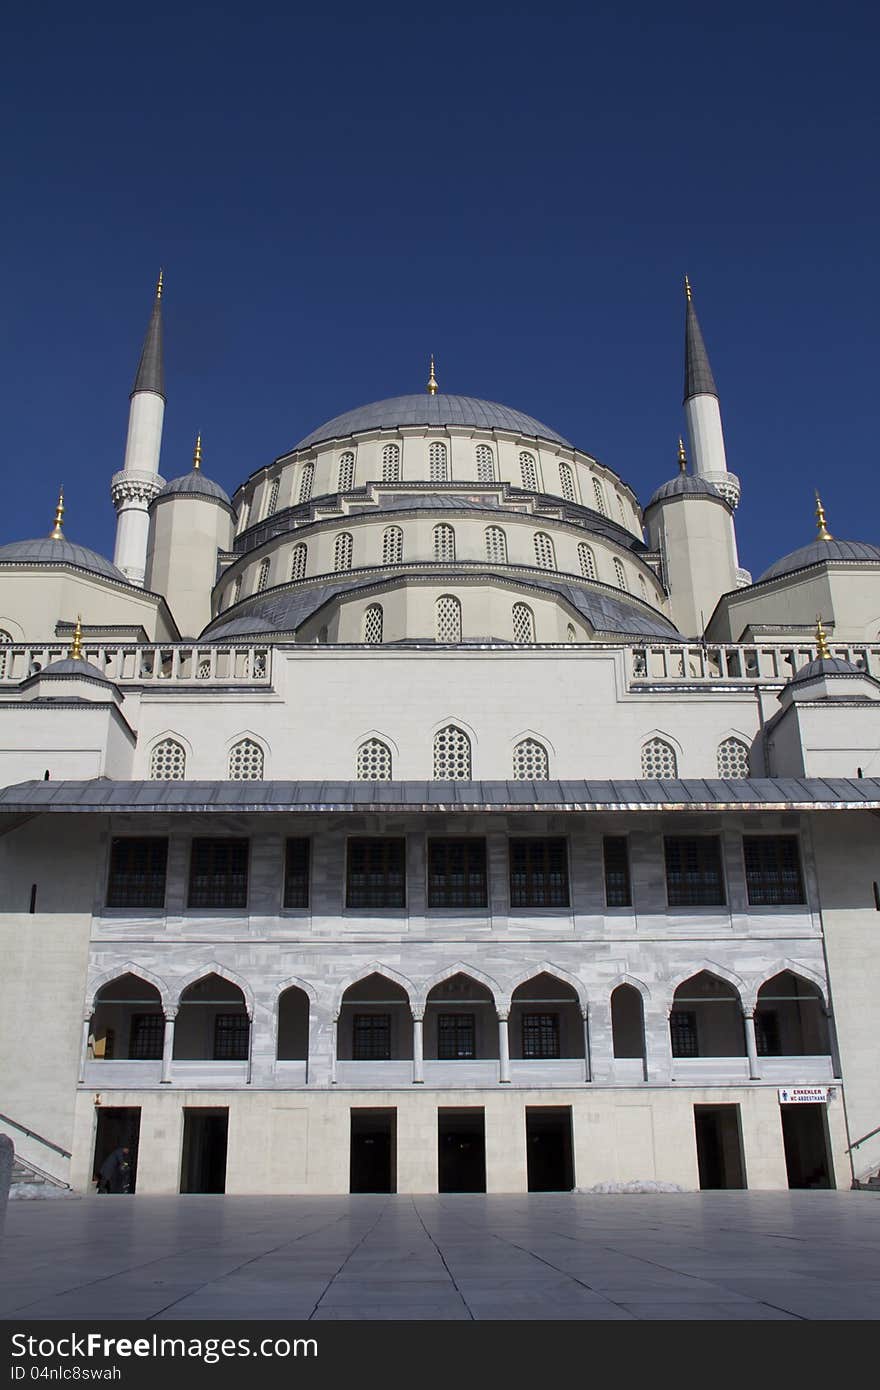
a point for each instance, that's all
(713, 662)
(147, 664)
(32, 1134)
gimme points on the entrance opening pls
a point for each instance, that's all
(548, 1148)
(373, 1151)
(461, 1136)
(719, 1146)
(205, 1135)
(118, 1129)
(805, 1137)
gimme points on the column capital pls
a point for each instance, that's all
(418, 1014)
(171, 1014)
(503, 1015)
(748, 1010)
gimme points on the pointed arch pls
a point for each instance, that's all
(458, 968)
(707, 967)
(375, 968)
(545, 967)
(633, 982)
(99, 982)
(806, 973)
(214, 968)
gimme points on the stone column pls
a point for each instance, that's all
(503, 1047)
(334, 1048)
(168, 1045)
(250, 1056)
(588, 1070)
(751, 1044)
(84, 1049)
(418, 1048)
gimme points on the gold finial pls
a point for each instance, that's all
(682, 456)
(197, 452)
(687, 289)
(57, 532)
(76, 650)
(824, 533)
(822, 651)
(433, 388)
(159, 284)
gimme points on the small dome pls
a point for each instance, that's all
(685, 485)
(826, 666)
(73, 666)
(819, 550)
(431, 411)
(46, 551)
(194, 484)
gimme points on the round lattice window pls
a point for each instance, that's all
(658, 760)
(566, 482)
(444, 543)
(528, 471)
(298, 561)
(452, 755)
(272, 501)
(168, 761)
(342, 551)
(544, 556)
(485, 464)
(346, 471)
(374, 761)
(733, 759)
(392, 546)
(306, 480)
(620, 575)
(246, 762)
(437, 462)
(496, 545)
(587, 561)
(391, 463)
(448, 616)
(599, 496)
(530, 761)
(262, 576)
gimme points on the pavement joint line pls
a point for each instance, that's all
(331, 1281)
(467, 1306)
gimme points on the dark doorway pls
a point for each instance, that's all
(548, 1148)
(719, 1146)
(461, 1136)
(805, 1137)
(373, 1151)
(117, 1128)
(205, 1134)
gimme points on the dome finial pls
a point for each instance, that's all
(822, 650)
(824, 533)
(57, 532)
(687, 290)
(682, 456)
(433, 388)
(76, 650)
(159, 284)
(197, 451)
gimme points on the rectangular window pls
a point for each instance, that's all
(231, 1032)
(296, 873)
(218, 873)
(538, 873)
(456, 1037)
(683, 1031)
(540, 1035)
(693, 872)
(146, 1037)
(457, 873)
(773, 870)
(616, 856)
(376, 873)
(371, 1038)
(137, 873)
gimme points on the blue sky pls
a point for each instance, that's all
(337, 190)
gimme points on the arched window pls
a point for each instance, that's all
(570, 633)
(168, 761)
(643, 587)
(244, 516)
(298, 560)
(621, 509)
(530, 761)
(246, 762)
(587, 561)
(620, 575)
(733, 759)
(342, 551)
(599, 495)
(566, 482)
(452, 755)
(528, 471)
(627, 1023)
(262, 577)
(392, 545)
(272, 499)
(373, 619)
(346, 471)
(496, 545)
(658, 760)
(444, 543)
(374, 761)
(306, 479)
(391, 463)
(544, 556)
(448, 618)
(485, 464)
(438, 470)
(236, 590)
(523, 623)
(5, 639)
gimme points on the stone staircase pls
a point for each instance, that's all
(28, 1175)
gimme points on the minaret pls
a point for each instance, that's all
(702, 410)
(134, 488)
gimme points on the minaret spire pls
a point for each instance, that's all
(682, 456)
(76, 651)
(702, 409)
(823, 533)
(822, 650)
(150, 375)
(698, 378)
(138, 482)
(197, 452)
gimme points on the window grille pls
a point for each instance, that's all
(246, 762)
(297, 857)
(643, 586)
(391, 463)
(218, 873)
(444, 544)
(528, 471)
(374, 761)
(496, 545)
(773, 870)
(538, 873)
(616, 860)
(376, 875)
(137, 873)
(298, 560)
(231, 1036)
(342, 551)
(373, 624)
(203, 670)
(146, 1036)
(272, 500)
(570, 633)
(448, 617)
(523, 623)
(438, 470)
(566, 482)
(587, 561)
(371, 1037)
(5, 639)
(530, 761)
(683, 1033)
(767, 1033)
(658, 760)
(485, 464)
(599, 495)
(392, 546)
(733, 759)
(346, 471)
(168, 761)
(545, 559)
(306, 481)
(693, 871)
(620, 575)
(236, 590)
(456, 1037)
(540, 1035)
(262, 577)
(452, 755)
(457, 873)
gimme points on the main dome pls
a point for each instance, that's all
(431, 411)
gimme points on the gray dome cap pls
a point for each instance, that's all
(826, 666)
(194, 484)
(71, 666)
(46, 551)
(432, 411)
(819, 550)
(685, 485)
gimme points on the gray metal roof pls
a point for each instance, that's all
(685, 485)
(826, 666)
(758, 794)
(431, 410)
(71, 667)
(698, 378)
(815, 553)
(150, 375)
(46, 551)
(195, 484)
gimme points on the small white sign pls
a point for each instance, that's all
(803, 1095)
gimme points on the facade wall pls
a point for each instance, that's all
(34, 599)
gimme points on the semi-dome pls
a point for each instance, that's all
(194, 484)
(819, 550)
(431, 411)
(47, 551)
(685, 485)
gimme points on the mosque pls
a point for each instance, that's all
(432, 815)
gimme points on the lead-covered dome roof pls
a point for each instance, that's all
(434, 411)
(46, 551)
(819, 550)
(685, 485)
(195, 484)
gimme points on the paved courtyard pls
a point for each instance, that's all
(719, 1255)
